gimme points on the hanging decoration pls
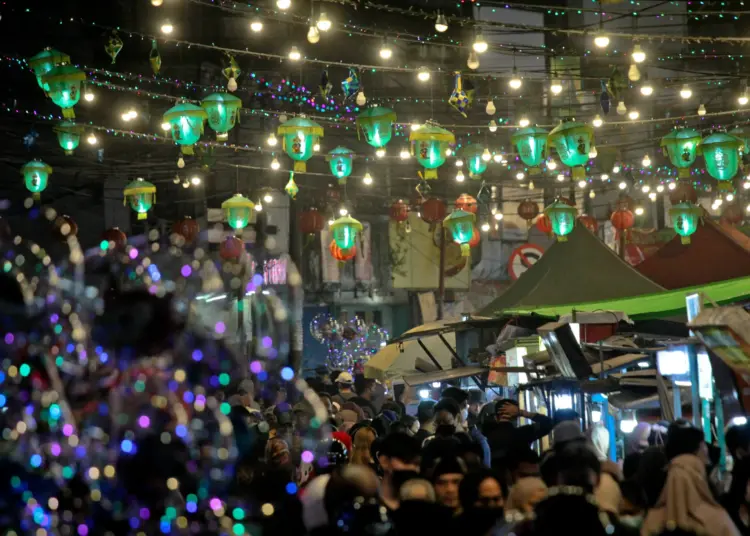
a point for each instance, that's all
(45, 61)
(154, 58)
(291, 187)
(528, 210)
(342, 255)
(460, 226)
(589, 222)
(685, 218)
(231, 248)
(113, 239)
(572, 141)
(223, 111)
(459, 99)
(377, 125)
(531, 144)
(141, 195)
(187, 122)
(351, 84)
(35, 176)
(473, 156)
(681, 147)
(722, 155)
(544, 224)
(63, 85)
(743, 133)
(311, 221)
(604, 100)
(325, 85)
(239, 212)
(68, 136)
(341, 161)
(187, 228)
(428, 144)
(232, 72)
(344, 231)
(299, 138)
(399, 211)
(467, 203)
(623, 220)
(432, 211)
(113, 46)
(563, 219)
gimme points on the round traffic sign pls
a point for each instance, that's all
(523, 258)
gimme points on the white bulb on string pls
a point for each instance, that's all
(622, 185)
(616, 168)
(180, 162)
(647, 89)
(232, 84)
(486, 155)
(283, 4)
(524, 122)
(459, 162)
(515, 81)
(423, 74)
(497, 158)
(294, 54)
(702, 110)
(324, 23)
(493, 126)
(480, 45)
(367, 179)
(531, 185)
(490, 108)
(485, 227)
(441, 23)
(520, 175)
(742, 99)
(256, 25)
(621, 108)
(404, 154)
(634, 74)
(551, 164)
(167, 28)
(386, 52)
(380, 153)
(313, 35)
(604, 177)
(316, 147)
(597, 121)
(473, 61)
(275, 164)
(92, 140)
(639, 56)
(460, 176)
(652, 196)
(602, 41)
(639, 211)
(498, 216)
(560, 177)
(646, 161)
(593, 153)
(634, 114)
(686, 92)
(361, 99)
(272, 141)
(660, 188)
(88, 95)
(157, 3)
(592, 194)
(556, 87)
(166, 127)
(672, 185)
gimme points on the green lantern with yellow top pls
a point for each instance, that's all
(223, 112)
(344, 231)
(475, 156)
(377, 125)
(35, 177)
(681, 147)
(721, 151)
(187, 122)
(45, 61)
(341, 161)
(239, 211)
(428, 144)
(562, 217)
(141, 196)
(299, 136)
(460, 226)
(685, 218)
(572, 141)
(63, 85)
(531, 144)
(68, 136)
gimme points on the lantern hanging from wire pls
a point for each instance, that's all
(344, 231)
(239, 211)
(45, 61)
(563, 219)
(63, 85)
(377, 125)
(472, 155)
(223, 112)
(721, 152)
(685, 218)
(681, 147)
(429, 144)
(531, 144)
(141, 196)
(460, 225)
(743, 133)
(342, 255)
(299, 137)
(68, 136)
(35, 176)
(341, 161)
(187, 122)
(572, 141)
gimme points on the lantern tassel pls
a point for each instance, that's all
(430, 174)
(561, 238)
(300, 167)
(465, 250)
(685, 240)
(69, 113)
(683, 173)
(142, 216)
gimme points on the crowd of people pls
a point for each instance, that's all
(462, 465)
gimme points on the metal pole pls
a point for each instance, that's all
(695, 398)
(441, 274)
(622, 244)
(295, 255)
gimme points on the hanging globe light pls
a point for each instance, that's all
(299, 137)
(141, 195)
(428, 145)
(187, 122)
(223, 112)
(344, 231)
(35, 176)
(377, 125)
(63, 85)
(239, 211)
(68, 136)
(562, 216)
(460, 225)
(681, 147)
(721, 151)
(531, 144)
(685, 218)
(573, 140)
(45, 61)
(341, 161)
(473, 155)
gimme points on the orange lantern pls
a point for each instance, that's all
(399, 211)
(622, 219)
(528, 210)
(187, 228)
(433, 210)
(589, 222)
(544, 224)
(466, 203)
(231, 248)
(342, 255)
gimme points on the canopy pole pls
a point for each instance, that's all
(441, 274)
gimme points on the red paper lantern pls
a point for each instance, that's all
(732, 214)
(683, 192)
(589, 222)
(187, 228)
(544, 224)
(311, 221)
(528, 210)
(622, 219)
(65, 227)
(433, 210)
(476, 238)
(399, 211)
(231, 248)
(116, 236)
(467, 203)
(342, 255)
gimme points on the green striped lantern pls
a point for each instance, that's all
(460, 225)
(572, 141)
(341, 161)
(35, 177)
(531, 144)
(141, 196)
(681, 147)
(68, 136)
(63, 85)
(562, 217)
(187, 123)
(299, 136)
(721, 151)
(223, 112)
(428, 144)
(685, 218)
(472, 155)
(239, 211)
(377, 125)
(344, 231)
(45, 61)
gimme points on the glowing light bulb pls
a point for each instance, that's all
(634, 74)
(747, 208)
(480, 45)
(660, 188)
(404, 154)
(157, 3)
(441, 23)
(283, 4)
(166, 127)
(602, 41)
(88, 95)
(604, 177)
(367, 179)
(686, 92)
(551, 164)
(730, 197)
(560, 177)
(638, 55)
(520, 175)
(497, 158)
(593, 153)
(343, 211)
(460, 176)
(268, 197)
(415, 126)
(386, 52)
(582, 184)
(195, 180)
(592, 194)
(672, 185)
(652, 196)
(485, 227)
(448, 151)
(621, 108)
(180, 162)
(493, 125)
(186, 184)
(718, 201)
(92, 140)
(633, 115)
(294, 54)
(639, 211)
(380, 153)
(473, 61)
(313, 35)
(498, 216)
(275, 164)
(459, 162)
(423, 74)
(701, 110)
(742, 99)
(531, 185)
(316, 147)
(597, 121)
(486, 155)
(324, 23)
(515, 81)
(272, 141)
(361, 100)
(622, 185)
(616, 168)
(523, 122)
(746, 185)
(256, 25)
(646, 161)
(490, 109)
(647, 89)
(556, 87)
(167, 28)
(646, 188)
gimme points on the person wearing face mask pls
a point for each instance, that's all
(470, 404)
(502, 433)
(398, 456)
(482, 499)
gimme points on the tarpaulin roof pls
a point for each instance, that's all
(716, 252)
(582, 269)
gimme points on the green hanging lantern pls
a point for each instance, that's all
(475, 158)
(69, 136)
(572, 141)
(141, 195)
(743, 133)
(681, 147)
(299, 137)
(186, 121)
(239, 210)
(685, 218)
(344, 231)
(35, 176)
(341, 161)
(63, 85)
(377, 125)
(460, 225)
(223, 112)
(531, 144)
(429, 143)
(562, 217)
(45, 61)
(721, 152)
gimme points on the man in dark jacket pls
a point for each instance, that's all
(503, 435)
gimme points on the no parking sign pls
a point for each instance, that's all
(523, 258)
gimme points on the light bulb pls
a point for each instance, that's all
(582, 184)
(268, 197)
(460, 176)
(597, 121)
(701, 110)
(196, 180)
(92, 139)
(486, 155)
(324, 23)
(592, 194)
(556, 87)
(180, 162)
(646, 161)
(423, 74)
(747, 208)
(551, 164)
(593, 153)
(313, 35)
(485, 227)
(283, 4)
(294, 54)
(480, 45)
(361, 100)
(259, 206)
(166, 127)
(602, 41)
(647, 89)
(232, 84)
(126, 116)
(523, 122)
(367, 179)
(604, 177)
(415, 126)
(157, 3)
(634, 74)
(493, 125)
(176, 179)
(316, 147)
(660, 188)
(490, 108)
(473, 61)
(275, 164)
(531, 185)
(386, 52)
(520, 175)
(459, 162)
(167, 28)
(686, 92)
(272, 141)
(672, 185)
(448, 151)
(441, 23)
(622, 185)
(380, 152)
(633, 115)
(343, 211)
(88, 95)
(560, 177)
(718, 201)
(497, 158)
(639, 211)
(498, 216)
(730, 197)
(621, 108)
(616, 168)
(646, 188)
(742, 99)
(256, 25)
(638, 55)
(652, 196)
(515, 81)
(746, 185)
(404, 154)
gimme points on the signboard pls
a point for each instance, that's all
(523, 258)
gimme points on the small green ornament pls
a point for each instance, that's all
(154, 58)
(63, 85)
(572, 141)
(377, 125)
(187, 125)
(429, 143)
(341, 161)
(68, 136)
(681, 147)
(223, 112)
(299, 137)
(141, 195)
(563, 219)
(45, 61)
(114, 46)
(685, 218)
(291, 187)
(232, 72)
(721, 152)
(531, 144)
(473, 156)
(460, 225)
(239, 211)
(35, 176)
(344, 231)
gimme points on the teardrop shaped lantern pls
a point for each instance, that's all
(460, 225)
(531, 144)
(572, 141)
(721, 151)
(45, 61)
(239, 211)
(299, 136)
(428, 145)
(187, 122)
(68, 136)
(472, 155)
(341, 161)
(681, 147)
(223, 112)
(377, 125)
(563, 219)
(63, 85)
(141, 195)
(685, 218)
(344, 232)
(35, 177)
